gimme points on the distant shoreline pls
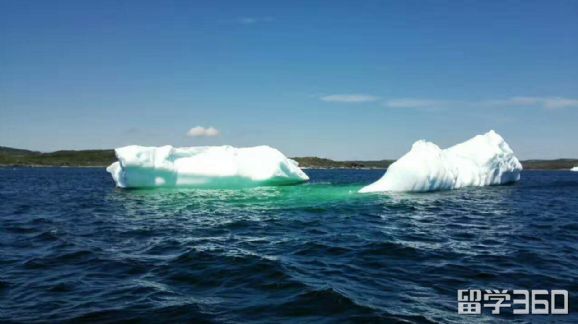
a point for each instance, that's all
(44, 166)
(40, 166)
(18, 158)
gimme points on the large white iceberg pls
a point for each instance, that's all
(203, 167)
(575, 169)
(480, 161)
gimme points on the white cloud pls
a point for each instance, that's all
(252, 20)
(200, 131)
(211, 131)
(537, 102)
(426, 103)
(416, 103)
(544, 102)
(349, 98)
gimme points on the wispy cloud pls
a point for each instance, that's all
(251, 20)
(436, 104)
(415, 103)
(349, 98)
(200, 131)
(536, 102)
(543, 102)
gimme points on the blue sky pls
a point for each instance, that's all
(338, 79)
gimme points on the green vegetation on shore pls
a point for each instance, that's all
(100, 158)
(315, 162)
(17, 157)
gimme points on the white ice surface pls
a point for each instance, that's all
(203, 167)
(480, 161)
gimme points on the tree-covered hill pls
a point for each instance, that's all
(17, 157)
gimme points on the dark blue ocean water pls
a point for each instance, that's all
(73, 248)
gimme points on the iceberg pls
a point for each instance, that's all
(575, 169)
(203, 167)
(483, 160)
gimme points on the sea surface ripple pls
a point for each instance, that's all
(74, 248)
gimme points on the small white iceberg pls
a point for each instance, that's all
(575, 169)
(203, 167)
(483, 160)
